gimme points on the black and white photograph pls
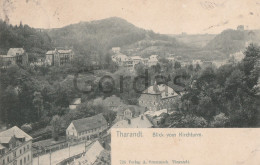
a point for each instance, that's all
(71, 71)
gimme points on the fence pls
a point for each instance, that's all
(38, 151)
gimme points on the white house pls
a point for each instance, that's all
(138, 122)
(153, 60)
(136, 59)
(116, 49)
(238, 56)
(86, 128)
(75, 103)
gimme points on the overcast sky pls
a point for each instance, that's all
(163, 16)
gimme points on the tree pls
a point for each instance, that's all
(249, 63)
(190, 67)
(197, 67)
(56, 127)
(110, 116)
(252, 54)
(26, 128)
(177, 65)
(220, 120)
(38, 103)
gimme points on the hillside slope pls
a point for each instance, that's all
(32, 40)
(196, 40)
(231, 41)
(101, 35)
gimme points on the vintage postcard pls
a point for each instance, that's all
(129, 82)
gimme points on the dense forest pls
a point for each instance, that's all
(222, 97)
(97, 37)
(32, 40)
(215, 97)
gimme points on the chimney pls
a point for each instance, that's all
(129, 121)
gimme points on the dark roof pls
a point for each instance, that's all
(89, 123)
(113, 101)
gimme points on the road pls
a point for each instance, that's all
(59, 155)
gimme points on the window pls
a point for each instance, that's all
(23, 149)
(24, 160)
(28, 157)
(3, 162)
(21, 162)
(28, 146)
(20, 151)
(8, 159)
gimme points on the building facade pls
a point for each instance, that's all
(129, 112)
(15, 147)
(58, 57)
(157, 97)
(86, 128)
(15, 56)
(75, 103)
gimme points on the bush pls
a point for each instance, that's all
(26, 128)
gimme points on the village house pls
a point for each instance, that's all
(76, 102)
(153, 60)
(145, 61)
(122, 60)
(206, 64)
(157, 97)
(114, 103)
(156, 116)
(15, 147)
(137, 122)
(237, 57)
(116, 50)
(195, 62)
(136, 60)
(171, 59)
(15, 56)
(129, 112)
(86, 128)
(58, 57)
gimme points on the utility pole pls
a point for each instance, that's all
(69, 149)
(85, 145)
(38, 157)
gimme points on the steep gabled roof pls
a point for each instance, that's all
(76, 101)
(89, 123)
(136, 110)
(50, 52)
(14, 131)
(5, 140)
(162, 89)
(136, 58)
(1, 146)
(14, 51)
(65, 51)
(114, 101)
(138, 122)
